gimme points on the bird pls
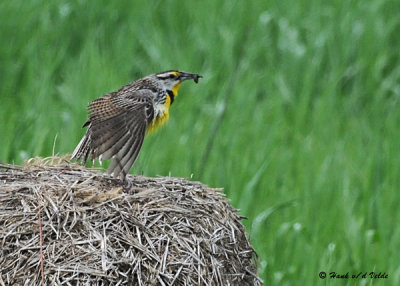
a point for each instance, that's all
(119, 121)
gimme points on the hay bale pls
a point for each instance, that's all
(63, 223)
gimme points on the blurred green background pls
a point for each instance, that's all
(297, 116)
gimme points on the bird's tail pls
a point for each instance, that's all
(83, 149)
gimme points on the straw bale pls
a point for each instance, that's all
(64, 224)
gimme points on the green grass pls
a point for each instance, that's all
(297, 115)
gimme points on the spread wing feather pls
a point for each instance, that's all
(127, 154)
(116, 129)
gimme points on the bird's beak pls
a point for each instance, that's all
(186, 75)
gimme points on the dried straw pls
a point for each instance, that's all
(63, 224)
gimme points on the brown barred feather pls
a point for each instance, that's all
(116, 129)
(127, 154)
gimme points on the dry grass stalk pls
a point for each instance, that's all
(162, 231)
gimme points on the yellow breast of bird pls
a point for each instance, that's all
(162, 112)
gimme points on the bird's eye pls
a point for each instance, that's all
(172, 76)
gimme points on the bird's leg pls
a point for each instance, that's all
(128, 184)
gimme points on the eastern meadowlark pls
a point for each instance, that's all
(119, 121)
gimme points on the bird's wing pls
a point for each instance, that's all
(116, 129)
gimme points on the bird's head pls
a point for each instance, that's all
(171, 80)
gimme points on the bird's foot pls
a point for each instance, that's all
(128, 185)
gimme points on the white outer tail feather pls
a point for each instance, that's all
(77, 149)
